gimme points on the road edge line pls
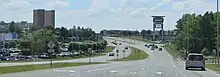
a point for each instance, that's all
(212, 71)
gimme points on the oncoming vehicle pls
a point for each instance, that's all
(195, 60)
(111, 54)
(160, 49)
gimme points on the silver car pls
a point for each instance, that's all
(195, 60)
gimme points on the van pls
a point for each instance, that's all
(195, 60)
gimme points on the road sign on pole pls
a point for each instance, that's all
(50, 51)
(51, 44)
(90, 51)
(117, 53)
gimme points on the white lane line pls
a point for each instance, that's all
(212, 72)
(114, 71)
(174, 65)
(105, 68)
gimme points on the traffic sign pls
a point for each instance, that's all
(51, 44)
(50, 50)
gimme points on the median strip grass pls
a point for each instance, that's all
(134, 55)
(23, 68)
(109, 49)
(214, 67)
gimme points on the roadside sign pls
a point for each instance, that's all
(117, 51)
(51, 44)
(50, 50)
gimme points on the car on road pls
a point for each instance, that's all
(119, 43)
(126, 47)
(195, 60)
(152, 48)
(155, 46)
(145, 45)
(111, 54)
(160, 49)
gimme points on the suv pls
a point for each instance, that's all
(195, 60)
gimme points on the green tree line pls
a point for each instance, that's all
(196, 32)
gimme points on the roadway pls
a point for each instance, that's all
(159, 64)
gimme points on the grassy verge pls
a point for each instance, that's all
(139, 38)
(23, 68)
(55, 59)
(213, 67)
(109, 49)
(171, 48)
(134, 55)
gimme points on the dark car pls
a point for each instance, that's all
(111, 54)
(156, 47)
(126, 47)
(160, 49)
(146, 45)
(119, 43)
(152, 48)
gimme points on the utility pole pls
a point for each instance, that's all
(217, 35)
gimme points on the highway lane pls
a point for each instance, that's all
(159, 64)
(94, 59)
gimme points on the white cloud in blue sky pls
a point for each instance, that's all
(106, 14)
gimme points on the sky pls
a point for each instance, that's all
(106, 14)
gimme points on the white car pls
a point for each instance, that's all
(195, 60)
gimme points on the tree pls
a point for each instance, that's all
(205, 52)
(2, 22)
(12, 27)
(143, 33)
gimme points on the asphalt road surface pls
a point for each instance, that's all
(159, 64)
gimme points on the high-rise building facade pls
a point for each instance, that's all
(42, 17)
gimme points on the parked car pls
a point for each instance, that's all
(126, 47)
(111, 54)
(195, 60)
(146, 45)
(152, 48)
(119, 43)
(155, 47)
(160, 49)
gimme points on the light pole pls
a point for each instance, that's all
(217, 34)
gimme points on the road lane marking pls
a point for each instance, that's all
(174, 65)
(105, 68)
(159, 73)
(113, 71)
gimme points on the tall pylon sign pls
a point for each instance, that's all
(158, 24)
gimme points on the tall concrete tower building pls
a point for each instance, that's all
(42, 17)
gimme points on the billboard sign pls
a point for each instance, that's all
(158, 19)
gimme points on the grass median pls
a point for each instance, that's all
(23, 68)
(136, 54)
(213, 67)
(109, 49)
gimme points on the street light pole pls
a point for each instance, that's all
(217, 34)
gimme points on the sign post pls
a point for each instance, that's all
(117, 51)
(90, 51)
(50, 51)
(123, 53)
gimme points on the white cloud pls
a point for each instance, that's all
(167, 1)
(120, 14)
(177, 6)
